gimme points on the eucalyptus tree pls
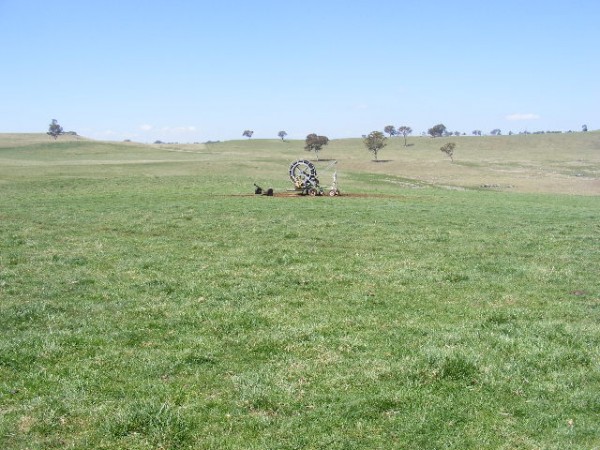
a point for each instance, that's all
(437, 130)
(375, 141)
(315, 143)
(448, 149)
(404, 131)
(55, 129)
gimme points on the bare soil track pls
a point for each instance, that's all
(296, 195)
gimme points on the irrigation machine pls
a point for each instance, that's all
(303, 174)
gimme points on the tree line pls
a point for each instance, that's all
(374, 141)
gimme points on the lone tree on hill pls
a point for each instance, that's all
(282, 134)
(55, 129)
(248, 133)
(437, 130)
(448, 149)
(404, 131)
(375, 141)
(315, 143)
(391, 130)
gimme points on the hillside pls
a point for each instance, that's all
(550, 163)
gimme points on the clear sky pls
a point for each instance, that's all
(187, 71)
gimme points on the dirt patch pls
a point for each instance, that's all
(25, 424)
(296, 195)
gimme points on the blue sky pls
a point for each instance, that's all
(187, 71)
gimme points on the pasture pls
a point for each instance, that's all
(149, 300)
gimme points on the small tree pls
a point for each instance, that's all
(315, 143)
(437, 130)
(404, 131)
(448, 149)
(496, 132)
(391, 130)
(282, 134)
(55, 129)
(584, 128)
(375, 141)
(248, 133)
(476, 132)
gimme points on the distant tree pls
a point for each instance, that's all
(282, 134)
(437, 130)
(55, 130)
(248, 133)
(584, 128)
(375, 141)
(448, 149)
(315, 143)
(476, 132)
(404, 131)
(391, 130)
(457, 133)
(496, 132)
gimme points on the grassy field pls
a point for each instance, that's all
(149, 300)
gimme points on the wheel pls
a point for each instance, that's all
(312, 192)
(303, 173)
(332, 193)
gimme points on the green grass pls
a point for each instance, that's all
(145, 303)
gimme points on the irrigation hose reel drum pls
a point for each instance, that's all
(303, 174)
